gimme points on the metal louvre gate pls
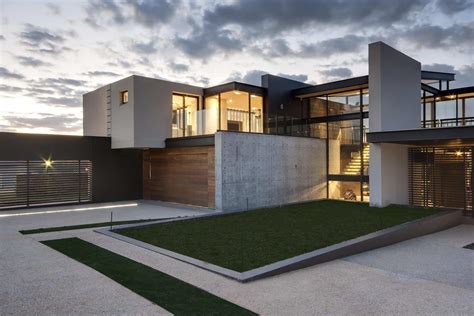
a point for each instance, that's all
(36, 182)
(441, 177)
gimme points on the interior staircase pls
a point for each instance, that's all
(353, 167)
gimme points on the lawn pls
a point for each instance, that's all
(248, 240)
(174, 295)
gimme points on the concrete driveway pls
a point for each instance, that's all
(427, 275)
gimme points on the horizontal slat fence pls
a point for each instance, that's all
(34, 182)
(441, 177)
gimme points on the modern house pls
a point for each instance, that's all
(238, 146)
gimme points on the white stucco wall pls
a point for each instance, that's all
(94, 109)
(143, 122)
(267, 170)
(395, 85)
(388, 174)
(122, 124)
(153, 109)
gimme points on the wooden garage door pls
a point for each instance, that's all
(182, 175)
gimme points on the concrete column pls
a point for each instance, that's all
(388, 174)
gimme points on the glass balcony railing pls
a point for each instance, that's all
(448, 122)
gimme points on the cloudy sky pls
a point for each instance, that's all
(54, 51)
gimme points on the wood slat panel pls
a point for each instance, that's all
(182, 175)
(441, 177)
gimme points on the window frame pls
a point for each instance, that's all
(123, 93)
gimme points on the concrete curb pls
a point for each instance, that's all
(385, 237)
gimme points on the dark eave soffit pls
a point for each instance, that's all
(234, 86)
(360, 82)
(460, 135)
(435, 75)
(332, 87)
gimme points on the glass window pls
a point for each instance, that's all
(177, 120)
(366, 192)
(344, 147)
(256, 108)
(446, 111)
(469, 108)
(317, 106)
(345, 190)
(210, 115)
(235, 111)
(124, 97)
(365, 100)
(366, 147)
(318, 130)
(191, 120)
(184, 119)
(344, 102)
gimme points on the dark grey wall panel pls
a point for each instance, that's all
(117, 173)
(279, 91)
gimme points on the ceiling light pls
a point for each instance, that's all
(237, 92)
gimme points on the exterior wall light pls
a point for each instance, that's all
(48, 163)
(458, 153)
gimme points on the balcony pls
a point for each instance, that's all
(448, 122)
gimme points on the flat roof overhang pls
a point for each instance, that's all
(446, 136)
(190, 141)
(332, 87)
(239, 86)
(436, 75)
(361, 83)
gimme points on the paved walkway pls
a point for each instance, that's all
(388, 280)
(37, 280)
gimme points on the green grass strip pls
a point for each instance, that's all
(248, 240)
(174, 295)
(73, 227)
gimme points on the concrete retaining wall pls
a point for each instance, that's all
(267, 170)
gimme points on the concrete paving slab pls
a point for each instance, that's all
(337, 287)
(436, 257)
(37, 280)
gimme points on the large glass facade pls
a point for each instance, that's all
(344, 102)
(342, 119)
(344, 147)
(447, 110)
(231, 111)
(210, 115)
(256, 110)
(234, 109)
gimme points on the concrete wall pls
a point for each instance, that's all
(269, 170)
(95, 112)
(395, 85)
